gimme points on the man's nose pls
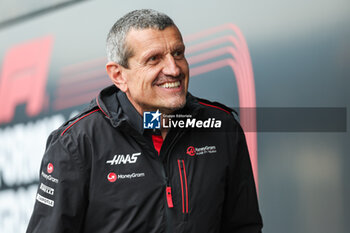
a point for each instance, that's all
(170, 67)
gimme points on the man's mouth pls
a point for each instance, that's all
(170, 85)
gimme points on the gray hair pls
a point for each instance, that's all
(117, 48)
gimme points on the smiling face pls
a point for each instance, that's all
(157, 74)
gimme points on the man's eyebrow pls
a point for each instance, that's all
(150, 52)
(156, 51)
(179, 47)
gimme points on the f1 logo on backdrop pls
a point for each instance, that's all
(24, 76)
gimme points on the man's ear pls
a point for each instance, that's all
(114, 71)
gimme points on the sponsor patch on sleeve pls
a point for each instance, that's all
(45, 200)
(47, 189)
(49, 177)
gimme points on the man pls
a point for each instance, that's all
(103, 172)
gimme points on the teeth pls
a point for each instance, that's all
(171, 85)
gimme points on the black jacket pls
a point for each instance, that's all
(101, 174)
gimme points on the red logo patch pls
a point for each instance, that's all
(191, 151)
(49, 168)
(112, 177)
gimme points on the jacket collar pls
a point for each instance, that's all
(133, 116)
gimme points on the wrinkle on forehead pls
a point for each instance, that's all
(146, 41)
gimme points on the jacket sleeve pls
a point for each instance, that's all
(62, 193)
(241, 210)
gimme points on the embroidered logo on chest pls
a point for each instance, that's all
(192, 151)
(124, 159)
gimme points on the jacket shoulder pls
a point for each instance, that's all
(77, 122)
(72, 123)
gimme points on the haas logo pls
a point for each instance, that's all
(119, 159)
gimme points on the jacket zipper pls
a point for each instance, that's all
(166, 165)
(184, 187)
(169, 197)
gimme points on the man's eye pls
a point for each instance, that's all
(153, 58)
(178, 54)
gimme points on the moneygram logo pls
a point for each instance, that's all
(50, 168)
(49, 177)
(112, 177)
(131, 176)
(192, 151)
